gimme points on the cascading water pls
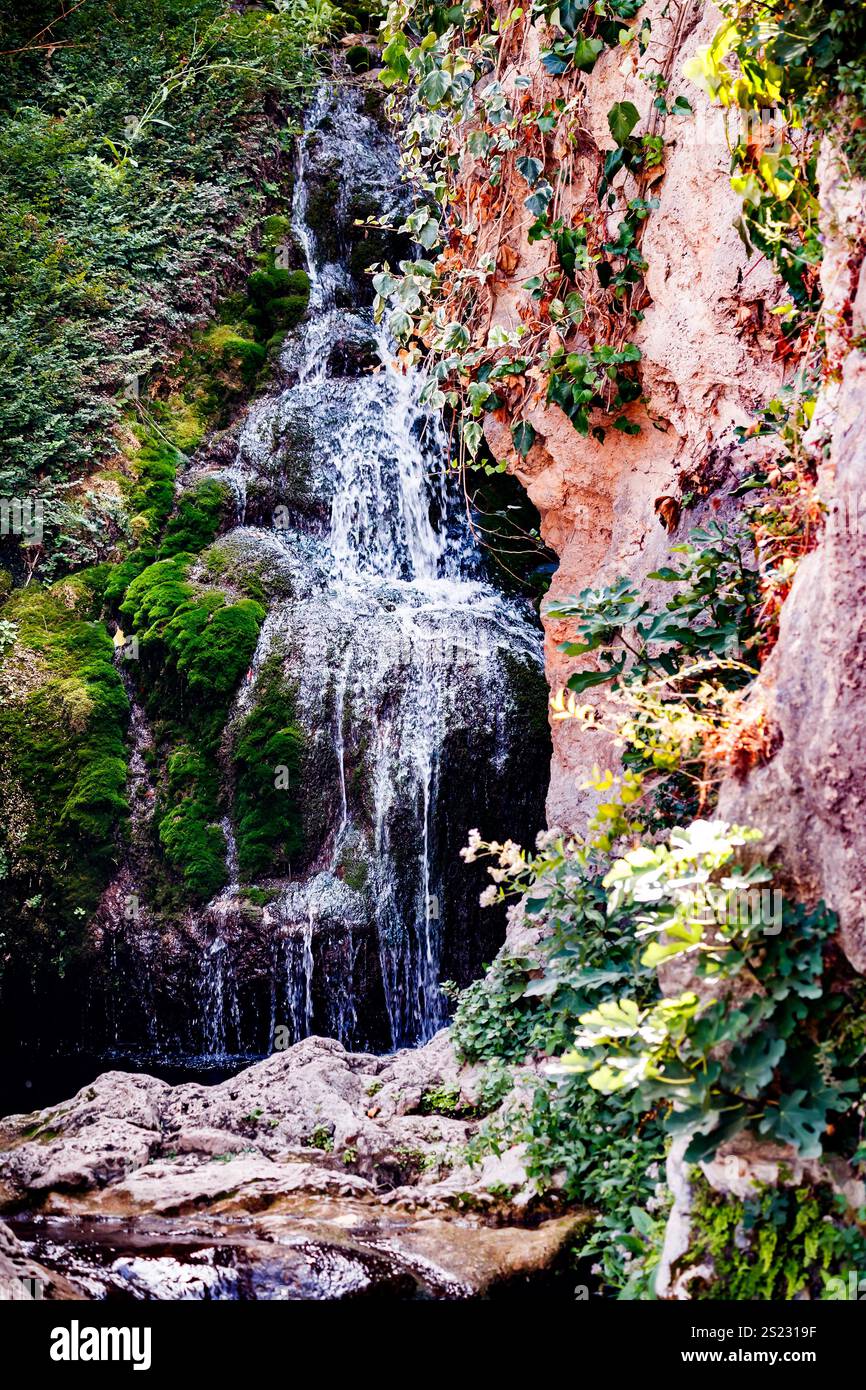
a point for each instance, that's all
(399, 655)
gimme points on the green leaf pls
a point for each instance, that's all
(586, 53)
(797, 1124)
(585, 680)
(529, 168)
(540, 200)
(755, 1061)
(472, 435)
(622, 119)
(435, 87)
(523, 435)
(703, 1146)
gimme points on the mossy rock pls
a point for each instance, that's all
(267, 760)
(372, 247)
(366, 14)
(240, 359)
(323, 197)
(280, 299)
(288, 311)
(374, 99)
(276, 229)
(200, 515)
(64, 811)
(359, 58)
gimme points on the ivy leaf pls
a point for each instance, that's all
(479, 393)
(555, 62)
(586, 53)
(622, 119)
(539, 202)
(479, 142)
(472, 433)
(529, 168)
(570, 12)
(435, 87)
(395, 57)
(523, 435)
(400, 323)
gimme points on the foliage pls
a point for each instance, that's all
(126, 188)
(528, 1008)
(779, 1244)
(439, 304)
(678, 678)
(63, 714)
(748, 1054)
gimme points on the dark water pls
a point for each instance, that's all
(34, 1082)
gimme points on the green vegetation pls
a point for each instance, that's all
(63, 714)
(768, 1034)
(267, 758)
(780, 1244)
(137, 161)
(194, 647)
(144, 152)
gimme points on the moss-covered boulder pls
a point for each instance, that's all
(359, 58)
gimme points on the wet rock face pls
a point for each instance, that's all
(414, 687)
(351, 177)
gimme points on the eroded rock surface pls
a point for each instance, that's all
(314, 1149)
(706, 340)
(808, 799)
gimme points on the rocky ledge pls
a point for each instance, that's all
(315, 1173)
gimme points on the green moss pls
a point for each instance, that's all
(152, 495)
(205, 642)
(258, 897)
(194, 647)
(353, 869)
(197, 520)
(359, 58)
(235, 359)
(195, 846)
(276, 229)
(267, 758)
(64, 807)
(287, 312)
(278, 300)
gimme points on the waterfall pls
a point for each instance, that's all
(399, 655)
